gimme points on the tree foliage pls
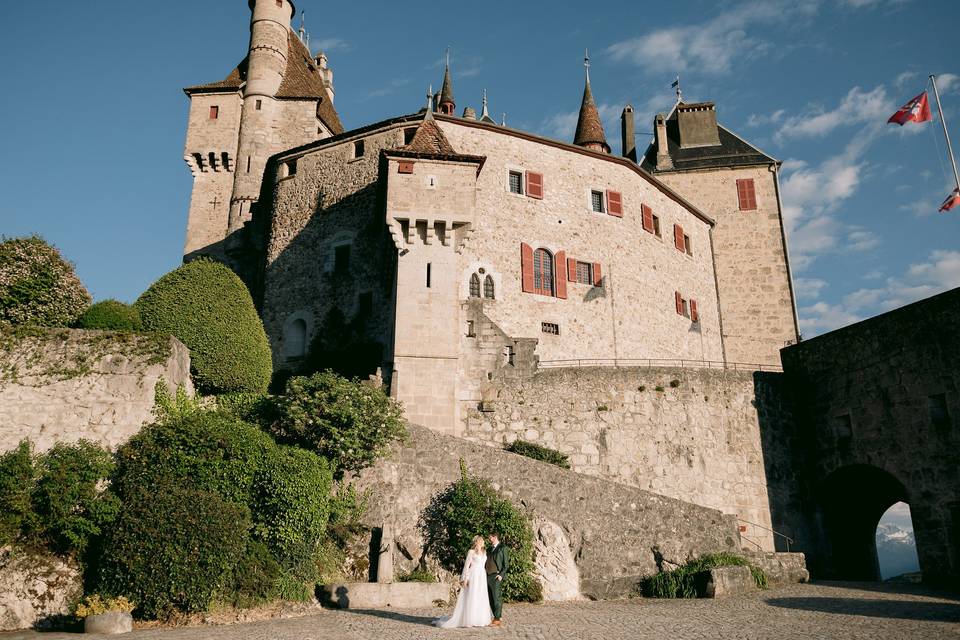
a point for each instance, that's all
(111, 315)
(208, 308)
(37, 286)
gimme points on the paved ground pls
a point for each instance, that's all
(826, 610)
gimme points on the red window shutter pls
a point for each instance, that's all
(615, 204)
(572, 269)
(647, 218)
(678, 237)
(694, 316)
(679, 301)
(405, 166)
(746, 195)
(560, 261)
(526, 268)
(535, 185)
(214, 112)
(597, 276)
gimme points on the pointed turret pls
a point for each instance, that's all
(485, 114)
(589, 128)
(446, 104)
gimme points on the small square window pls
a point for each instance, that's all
(408, 134)
(280, 3)
(214, 112)
(687, 245)
(259, 104)
(516, 182)
(341, 258)
(471, 331)
(550, 327)
(686, 308)
(656, 226)
(596, 201)
(358, 149)
(584, 273)
(287, 169)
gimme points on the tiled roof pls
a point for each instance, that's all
(429, 138)
(446, 92)
(302, 80)
(589, 128)
(732, 151)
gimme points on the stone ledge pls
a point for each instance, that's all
(377, 595)
(720, 582)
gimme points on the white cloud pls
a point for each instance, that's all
(563, 126)
(331, 44)
(759, 120)
(822, 317)
(907, 77)
(808, 288)
(948, 83)
(711, 46)
(391, 87)
(857, 107)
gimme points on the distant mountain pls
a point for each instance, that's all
(896, 550)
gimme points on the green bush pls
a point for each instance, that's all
(68, 504)
(418, 574)
(471, 507)
(255, 578)
(291, 503)
(537, 452)
(173, 548)
(17, 476)
(206, 306)
(169, 407)
(209, 450)
(112, 315)
(681, 582)
(349, 423)
(256, 408)
(37, 286)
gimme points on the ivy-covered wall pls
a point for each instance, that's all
(61, 385)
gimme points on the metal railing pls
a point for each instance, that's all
(650, 363)
(765, 528)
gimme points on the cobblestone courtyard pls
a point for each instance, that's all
(828, 610)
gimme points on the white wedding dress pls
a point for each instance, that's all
(473, 603)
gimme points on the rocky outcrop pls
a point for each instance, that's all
(35, 588)
(553, 562)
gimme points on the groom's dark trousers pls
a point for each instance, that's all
(496, 567)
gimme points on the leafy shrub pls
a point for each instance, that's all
(37, 286)
(537, 452)
(173, 548)
(471, 507)
(290, 508)
(349, 423)
(69, 506)
(418, 574)
(254, 580)
(206, 306)
(112, 315)
(256, 408)
(169, 407)
(17, 477)
(209, 450)
(681, 582)
(347, 506)
(95, 605)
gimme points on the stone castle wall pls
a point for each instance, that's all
(756, 300)
(616, 533)
(690, 434)
(66, 385)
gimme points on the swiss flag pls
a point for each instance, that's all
(952, 200)
(917, 110)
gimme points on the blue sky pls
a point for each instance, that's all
(94, 118)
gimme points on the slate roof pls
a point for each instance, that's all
(446, 92)
(589, 127)
(733, 151)
(302, 80)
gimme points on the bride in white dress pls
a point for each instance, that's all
(473, 604)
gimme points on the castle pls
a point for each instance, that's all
(409, 241)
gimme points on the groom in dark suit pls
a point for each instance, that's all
(496, 567)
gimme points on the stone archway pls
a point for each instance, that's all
(852, 500)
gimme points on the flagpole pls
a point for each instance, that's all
(953, 162)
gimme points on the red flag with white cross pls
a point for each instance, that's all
(917, 110)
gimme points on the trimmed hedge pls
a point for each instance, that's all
(111, 315)
(207, 307)
(37, 286)
(173, 548)
(537, 452)
(472, 507)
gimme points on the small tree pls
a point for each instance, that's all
(349, 423)
(111, 315)
(17, 476)
(37, 286)
(471, 507)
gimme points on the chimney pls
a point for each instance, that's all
(698, 125)
(663, 151)
(627, 137)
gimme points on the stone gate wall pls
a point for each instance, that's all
(63, 385)
(690, 434)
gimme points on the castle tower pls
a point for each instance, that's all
(235, 124)
(589, 128)
(446, 104)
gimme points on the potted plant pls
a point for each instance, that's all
(105, 615)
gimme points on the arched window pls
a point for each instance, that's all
(474, 286)
(543, 272)
(295, 339)
(488, 287)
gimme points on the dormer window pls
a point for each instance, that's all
(408, 134)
